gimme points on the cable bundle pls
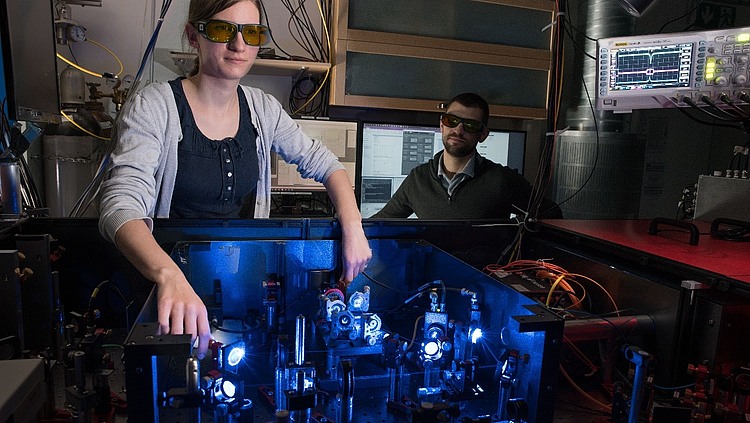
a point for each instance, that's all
(88, 195)
(309, 94)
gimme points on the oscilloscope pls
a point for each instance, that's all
(662, 70)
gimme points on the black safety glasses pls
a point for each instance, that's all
(223, 32)
(470, 125)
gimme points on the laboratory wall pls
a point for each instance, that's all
(125, 27)
(675, 149)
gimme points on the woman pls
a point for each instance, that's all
(221, 134)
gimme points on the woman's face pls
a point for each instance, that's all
(231, 60)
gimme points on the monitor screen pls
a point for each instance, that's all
(27, 42)
(390, 151)
(648, 67)
(339, 136)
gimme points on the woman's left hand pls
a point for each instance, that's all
(356, 253)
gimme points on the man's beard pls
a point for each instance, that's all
(459, 150)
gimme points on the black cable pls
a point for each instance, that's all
(723, 125)
(728, 101)
(689, 101)
(90, 311)
(734, 116)
(310, 40)
(575, 44)
(70, 48)
(546, 155)
(596, 158)
(680, 17)
(384, 285)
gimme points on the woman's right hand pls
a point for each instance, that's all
(180, 310)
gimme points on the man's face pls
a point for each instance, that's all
(456, 141)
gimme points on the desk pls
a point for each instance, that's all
(726, 258)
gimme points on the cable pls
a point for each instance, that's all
(270, 32)
(82, 69)
(674, 388)
(680, 17)
(552, 289)
(689, 101)
(76, 211)
(328, 71)
(81, 127)
(725, 98)
(695, 119)
(110, 52)
(582, 392)
(384, 285)
(734, 116)
(414, 334)
(90, 313)
(598, 141)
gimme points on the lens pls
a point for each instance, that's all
(255, 35)
(451, 121)
(220, 32)
(235, 356)
(472, 126)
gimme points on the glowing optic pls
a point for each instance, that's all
(475, 335)
(228, 388)
(743, 38)
(235, 356)
(431, 348)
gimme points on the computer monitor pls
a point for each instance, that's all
(339, 136)
(27, 42)
(390, 151)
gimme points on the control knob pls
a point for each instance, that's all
(740, 79)
(721, 80)
(741, 59)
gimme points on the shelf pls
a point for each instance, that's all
(274, 67)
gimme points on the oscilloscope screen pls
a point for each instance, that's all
(638, 68)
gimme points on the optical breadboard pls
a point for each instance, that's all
(665, 70)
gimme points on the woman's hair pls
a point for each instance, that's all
(203, 10)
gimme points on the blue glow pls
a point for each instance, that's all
(475, 335)
(431, 348)
(228, 388)
(235, 356)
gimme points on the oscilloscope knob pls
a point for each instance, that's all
(740, 79)
(721, 80)
(741, 59)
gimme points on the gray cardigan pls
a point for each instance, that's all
(140, 176)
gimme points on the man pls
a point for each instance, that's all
(458, 183)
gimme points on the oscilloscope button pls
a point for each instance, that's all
(701, 49)
(731, 38)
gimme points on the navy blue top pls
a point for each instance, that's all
(214, 176)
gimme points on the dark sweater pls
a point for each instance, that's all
(490, 194)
